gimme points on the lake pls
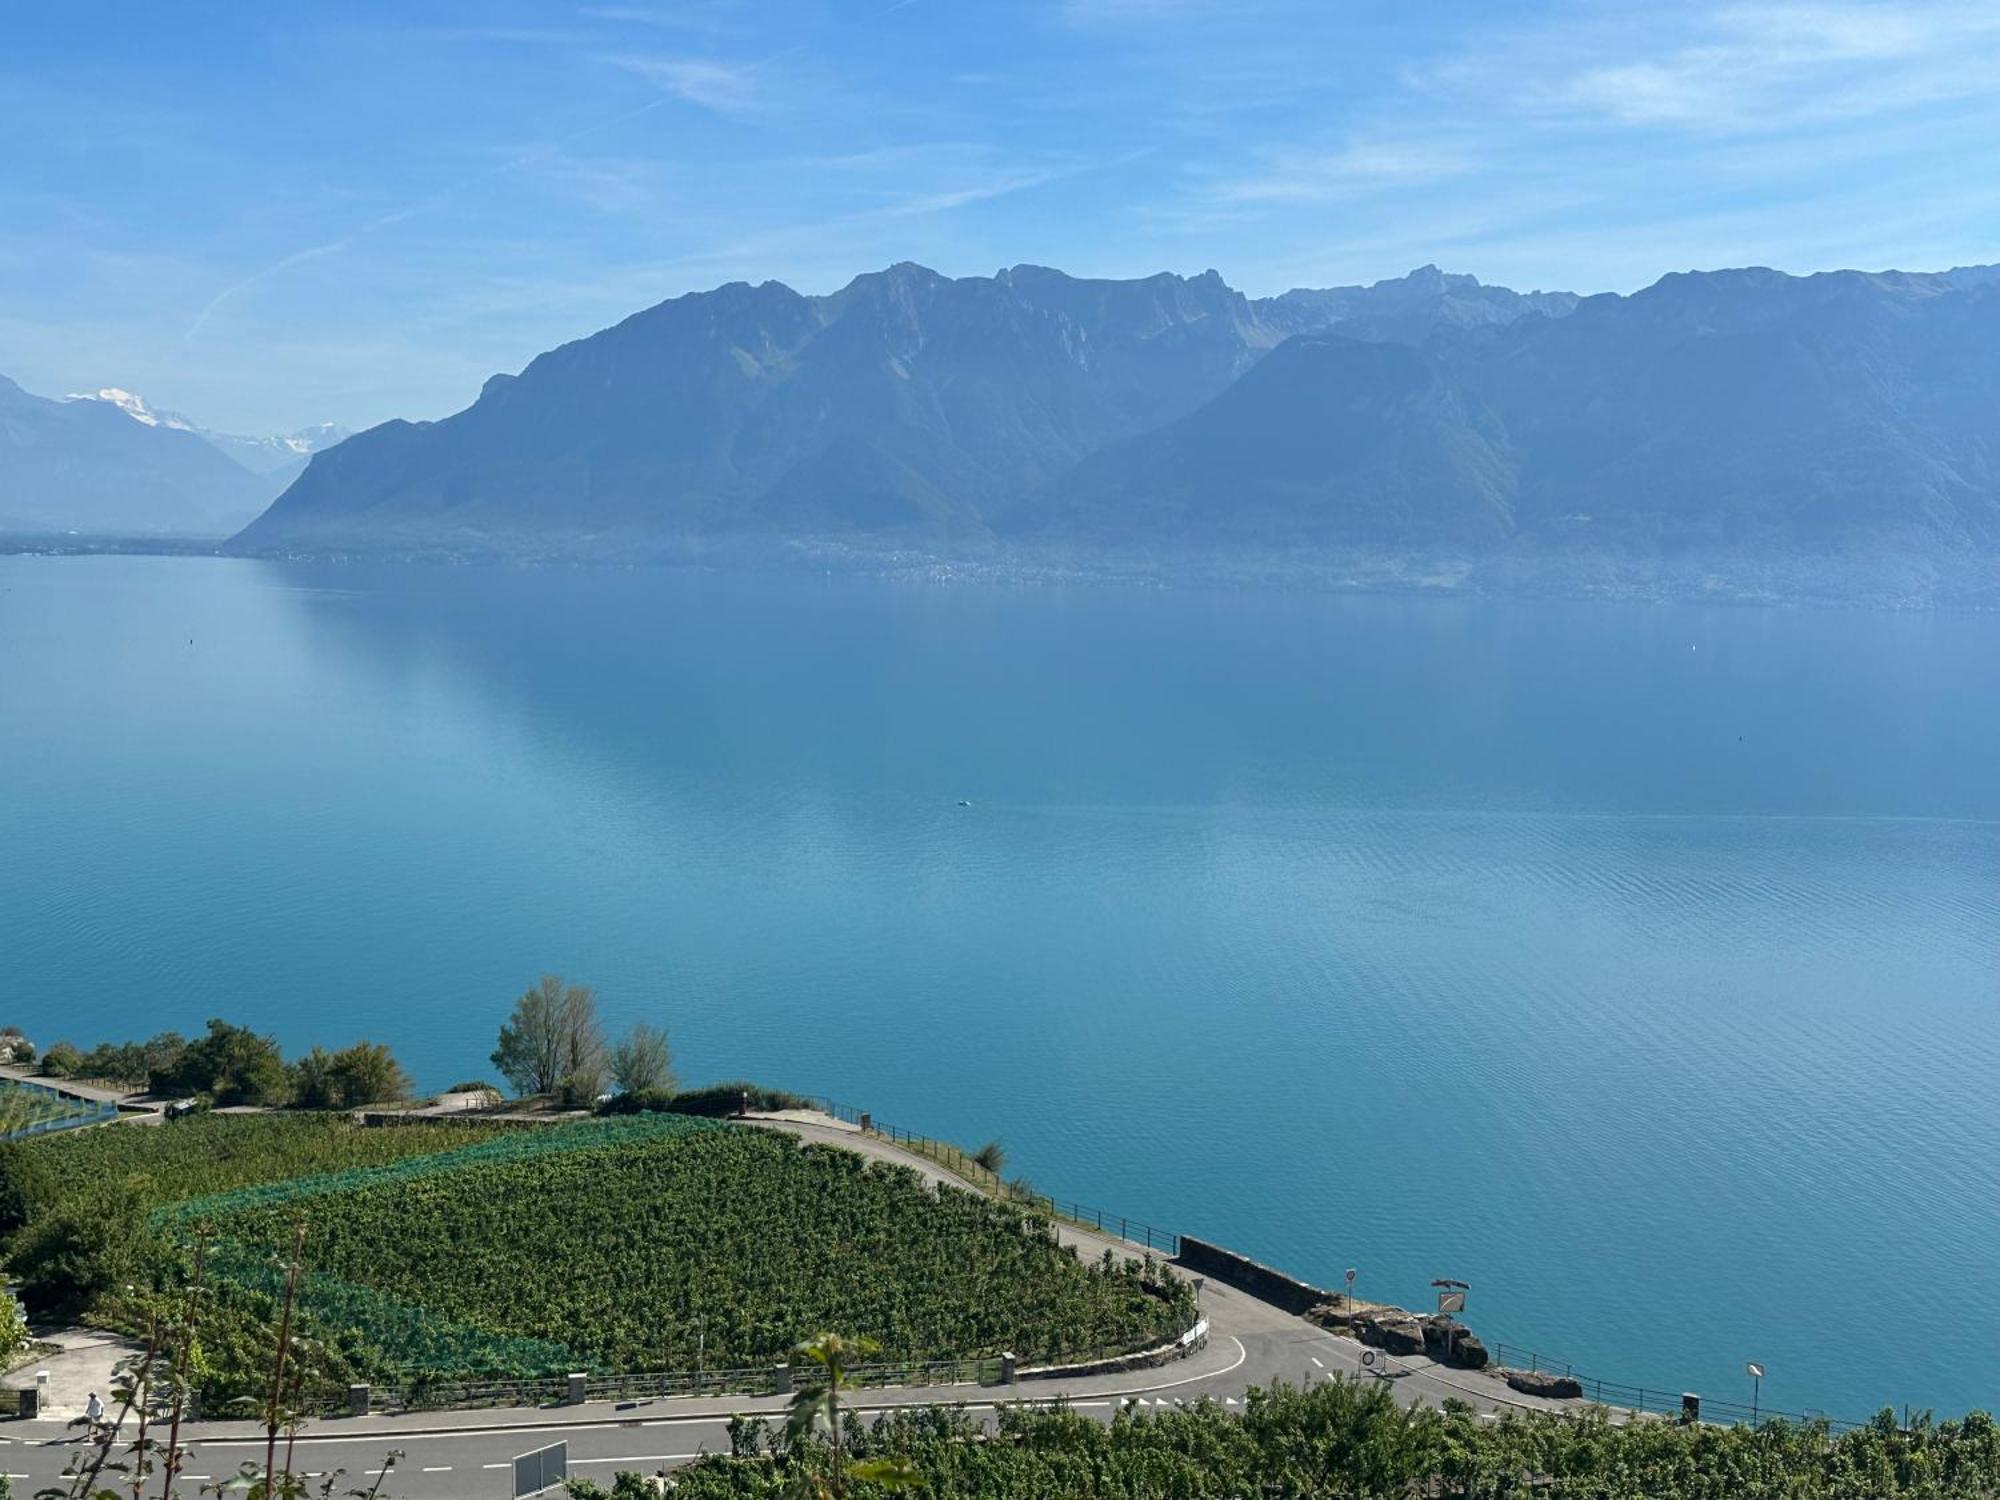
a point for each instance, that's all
(1638, 965)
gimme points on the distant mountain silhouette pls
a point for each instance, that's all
(89, 468)
(1032, 416)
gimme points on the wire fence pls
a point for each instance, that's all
(763, 1380)
(1661, 1401)
(967, 1165)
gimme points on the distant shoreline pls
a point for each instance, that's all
(1885, 581)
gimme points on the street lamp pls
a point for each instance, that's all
(1756, 1373)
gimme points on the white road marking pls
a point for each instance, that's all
(1316, 1360)
(438, 1469)
(496, 1466)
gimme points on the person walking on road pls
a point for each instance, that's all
(93, 1413)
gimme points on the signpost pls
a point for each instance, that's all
(1756, 1373)
(538, 1471)
(1451, 1299)
(1350, 1289)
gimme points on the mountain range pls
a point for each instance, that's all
(104, 463)
(1744, 432)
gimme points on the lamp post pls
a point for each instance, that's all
(1756, 1373)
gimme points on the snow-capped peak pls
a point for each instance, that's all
(260, 455)
(134, 407)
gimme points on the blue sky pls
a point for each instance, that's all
(266, 214)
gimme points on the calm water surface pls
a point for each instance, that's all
(1640, 966)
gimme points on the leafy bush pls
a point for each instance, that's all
(366, 1073)
(72, 1254)
(722, 1099)
(643, 1062)
(62, 1061)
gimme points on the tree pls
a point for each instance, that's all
(552, 1040)
(643, 1061)
(233, 1065)
(313, 1084)
(61, 1061)
(819, 1397)
(368, 1073)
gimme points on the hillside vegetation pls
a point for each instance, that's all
(650, 1242)
(642, 1242)
(1353, 1441)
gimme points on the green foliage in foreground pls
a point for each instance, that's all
(654, 1235)
(1351, 1440)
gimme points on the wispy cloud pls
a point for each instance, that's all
(1287, 174)
(1738, 68)
(727, 88)
(721, 87)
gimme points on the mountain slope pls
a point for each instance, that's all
(86, 467)
(1745, 417)
(1329, 441)
(905, 404)
(1742, 415)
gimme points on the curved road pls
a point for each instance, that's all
(1251, 1343)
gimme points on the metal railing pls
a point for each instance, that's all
(1658, 1400)
(958, 1159)
(764, 1380)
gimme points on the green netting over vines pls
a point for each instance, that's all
(519, 1145)
(657, 1242)
(408, 1339)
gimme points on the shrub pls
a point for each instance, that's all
(77, 1251)
(721, 1099)
(61, 1061)
(643, 1062)
(26, 1187)
(232, 1064)
(476, 1086)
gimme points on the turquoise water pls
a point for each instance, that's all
(1640, 966)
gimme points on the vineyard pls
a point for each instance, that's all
(654, 1242)
(212, 1153)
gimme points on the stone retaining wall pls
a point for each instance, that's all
(1247, 1275)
